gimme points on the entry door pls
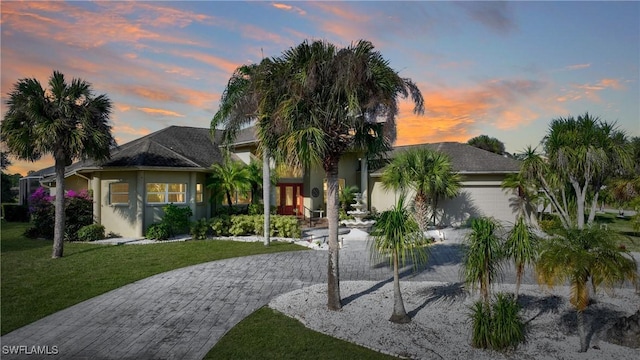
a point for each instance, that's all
(289, 198)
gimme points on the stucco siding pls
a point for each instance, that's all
(118, 218)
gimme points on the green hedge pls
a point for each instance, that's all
(244, 225)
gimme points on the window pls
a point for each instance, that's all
(119, 193)
(160, 193)
(199, 193)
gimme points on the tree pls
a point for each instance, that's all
(429, 173)
(336, 100)
(398, 236)
(347, 196)
(521, 246)
(250, 96)
(481, 264)
(229, 178)
(526, 200)
(581, 256)
(66, 121)
(487, 143)
(582, 152)
(4, 161)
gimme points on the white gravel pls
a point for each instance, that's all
(440, 327)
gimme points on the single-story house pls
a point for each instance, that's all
(172, 165)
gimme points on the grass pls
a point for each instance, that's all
(33, 285)
(623, 226)
(268, 334)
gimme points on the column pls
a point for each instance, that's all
(96, 187)
(364, 181)
(140, 188)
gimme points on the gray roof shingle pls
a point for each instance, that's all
(466, 158)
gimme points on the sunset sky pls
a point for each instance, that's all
(503, 69)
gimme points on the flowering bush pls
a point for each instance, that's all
(78, 210)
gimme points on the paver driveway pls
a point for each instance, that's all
(181, 314)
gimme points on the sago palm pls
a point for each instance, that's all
(66, 121)
(398, 236)
(481, 264)
(580, 257)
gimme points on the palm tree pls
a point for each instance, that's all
(230, 177)
(522, 247)
(336, 100)
(250, 96)
(398, 236)
(481, 263)
(429, 173)
(347, 196)
(581, 256)
(66, 121)
(526, 198)
(585, 152)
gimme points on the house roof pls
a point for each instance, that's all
(465, 158)
(171, 147)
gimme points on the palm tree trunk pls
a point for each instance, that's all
(399, 315)
(229, 200)
(266, 195)
(58, 229)
(333, 271)
(519, 271)
(422, 211)
(581, 331)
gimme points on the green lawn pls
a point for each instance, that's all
(630, 238)
(268, 334)
(33, 285)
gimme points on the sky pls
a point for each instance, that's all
(503, 69)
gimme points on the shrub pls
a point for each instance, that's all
(91, 232)
(176, 219)
(287, 226)
(242, 225)
(255, 209)
(199, 229)
(78, 212)
(15, 213)
(550, 223)
(507, 327)
(158, 231)
(499, 327)
(481, 319)
(220, 225)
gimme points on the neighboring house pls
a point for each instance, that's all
(171, 166)
(480, 195)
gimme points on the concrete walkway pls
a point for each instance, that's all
(181, 314)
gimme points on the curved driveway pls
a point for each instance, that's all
(182, 313)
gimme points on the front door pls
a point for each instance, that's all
(289, 199)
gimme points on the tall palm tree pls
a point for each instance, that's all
(526, 198)
(521, 246)
(66, 121)
(429, 173)
(581, 256)
(336, 100)
(481, 263)
(250, 96)
(398, 236)
(230, 177)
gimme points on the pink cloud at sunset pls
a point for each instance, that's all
(161, 112)
(286, 7)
